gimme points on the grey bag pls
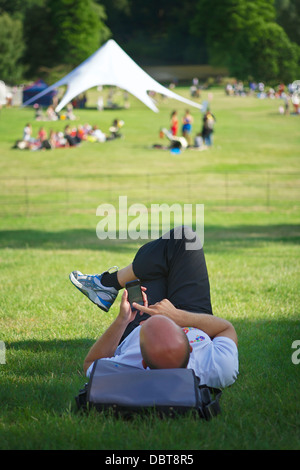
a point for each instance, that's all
(127, 390)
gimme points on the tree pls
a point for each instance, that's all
(273, 56)
(78, 29)
(17, 8)
(63, 32)
(156, 31)
(245, 37)
(11, 49)
(288, 16)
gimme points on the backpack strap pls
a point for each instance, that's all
(210, 401)
(81, 398)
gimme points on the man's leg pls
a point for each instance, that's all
(182, 272)
(165, 267)
(169, 270)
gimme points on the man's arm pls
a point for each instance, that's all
(213, 326)
(107, 344)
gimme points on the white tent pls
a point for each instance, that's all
(110, 65)
(3, 93)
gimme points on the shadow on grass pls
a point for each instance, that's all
(49, 373)
(55, 345)
(216, 238)
(61, 240)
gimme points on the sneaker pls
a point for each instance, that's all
(91, 286)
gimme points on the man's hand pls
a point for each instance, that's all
(164, 307)
(126, 313)
(210, 324)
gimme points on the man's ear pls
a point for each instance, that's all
(191, 349)
(144, 364)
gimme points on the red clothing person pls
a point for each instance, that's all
(42, 134)
(174, 123)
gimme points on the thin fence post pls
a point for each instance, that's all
(67, 192)
(268, 189)
(226, 189)
(26, 194)
(110, 189)
(188, 184)
(148, 185)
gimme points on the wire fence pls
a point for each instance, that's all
(83, 194)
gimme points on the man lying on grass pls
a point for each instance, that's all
(175, 327)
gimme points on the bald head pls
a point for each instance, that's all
(163, 344)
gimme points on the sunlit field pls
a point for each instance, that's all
(248, 183)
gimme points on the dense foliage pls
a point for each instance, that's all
(256, 39)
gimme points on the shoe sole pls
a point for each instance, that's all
(88, 293)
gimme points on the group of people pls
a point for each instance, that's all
(71, 136)
(289, 94)
(260, 89)
(203, 138)
(51, 115)
(290, 101)
(187, 122)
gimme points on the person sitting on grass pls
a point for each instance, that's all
(175, 327)
(72, 140)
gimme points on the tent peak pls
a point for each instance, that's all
(110, 65)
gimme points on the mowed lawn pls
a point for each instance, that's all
(249, 185)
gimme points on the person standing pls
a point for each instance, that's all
(208, 127)
(174, 123)
(187, 122)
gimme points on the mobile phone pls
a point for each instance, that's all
(134, 292)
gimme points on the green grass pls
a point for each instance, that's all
(249, 184)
